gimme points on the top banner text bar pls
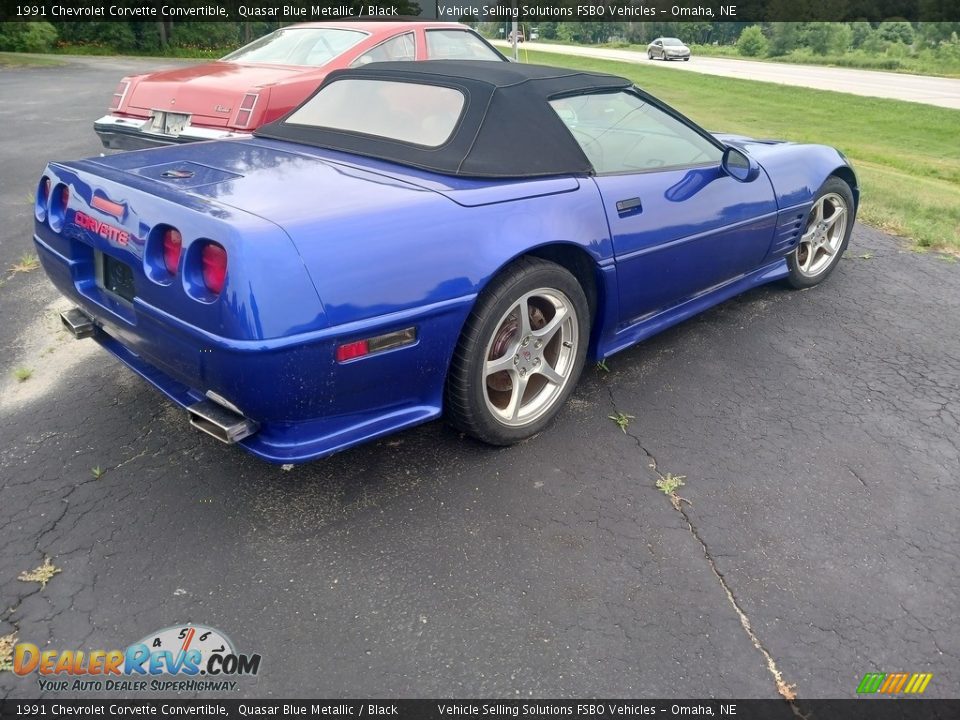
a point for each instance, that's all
(288, 11)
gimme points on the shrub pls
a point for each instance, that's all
(949, 50)
(27, 37)
(115, 35)
(873, 44)
(205, 35)
(752, 42)
(897, 50)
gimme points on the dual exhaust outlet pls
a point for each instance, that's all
(215, 419)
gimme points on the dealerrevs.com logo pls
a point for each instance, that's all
(175, 659)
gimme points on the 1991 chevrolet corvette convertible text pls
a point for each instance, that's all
(446, 236)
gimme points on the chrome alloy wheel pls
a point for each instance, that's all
(823, 236)
(530, 356)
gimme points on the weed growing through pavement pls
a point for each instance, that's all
(41, 574)
(622, 420)
(668, 485)
(26, 263)
(6, 651)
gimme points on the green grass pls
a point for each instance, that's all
(924, 64)
(9, 59)
(172, 52)
(906, 154)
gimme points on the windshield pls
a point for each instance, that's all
(671, 41)
(298, 46)
(404, 111)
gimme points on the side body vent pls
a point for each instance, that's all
(789, 229)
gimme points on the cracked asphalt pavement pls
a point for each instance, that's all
(817, 433)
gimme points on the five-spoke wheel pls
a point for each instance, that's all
(530, 357)
(520, 354)
(825, 235)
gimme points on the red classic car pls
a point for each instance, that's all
(264, 80)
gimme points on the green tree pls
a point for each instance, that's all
(752, 42)
(826, 38)
(897, 31)
(859, 32)
(784, 37)
(934, 32)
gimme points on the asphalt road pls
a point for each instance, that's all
(944, 92)
(817, 432)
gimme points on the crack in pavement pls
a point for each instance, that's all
(786, 690)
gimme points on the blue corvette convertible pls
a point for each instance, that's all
(425, 238)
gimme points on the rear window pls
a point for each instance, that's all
(458, 45)
(403, 111)
(298, 46)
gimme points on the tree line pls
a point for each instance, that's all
(766, 40)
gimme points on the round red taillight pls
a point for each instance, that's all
(172, 245)
(213, 258)
(64, 197)
(45, 189)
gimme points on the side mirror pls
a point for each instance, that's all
(739, 165)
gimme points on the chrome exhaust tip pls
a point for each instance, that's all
(219, 422)
(78, 323)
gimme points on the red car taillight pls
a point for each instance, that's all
(378, 343)
(245, 113)
(44, 189)
(352, 350)
(172, 245)
(119, 94)
(213, 260)
(64, 197)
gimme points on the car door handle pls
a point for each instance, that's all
(630, 205)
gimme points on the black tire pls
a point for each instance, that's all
(479, 400)
(686, 59)
(827, 241)
(650, 54)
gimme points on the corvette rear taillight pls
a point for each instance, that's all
(43, 195)
(245, 113)
(119, 94)
(213, 261)
(56, 208)
(172, 245)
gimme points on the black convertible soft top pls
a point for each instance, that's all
(507, 127)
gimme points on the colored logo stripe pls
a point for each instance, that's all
(871, 682)
(893, 683)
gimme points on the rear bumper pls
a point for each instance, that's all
(306, 405)
(122, 133)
